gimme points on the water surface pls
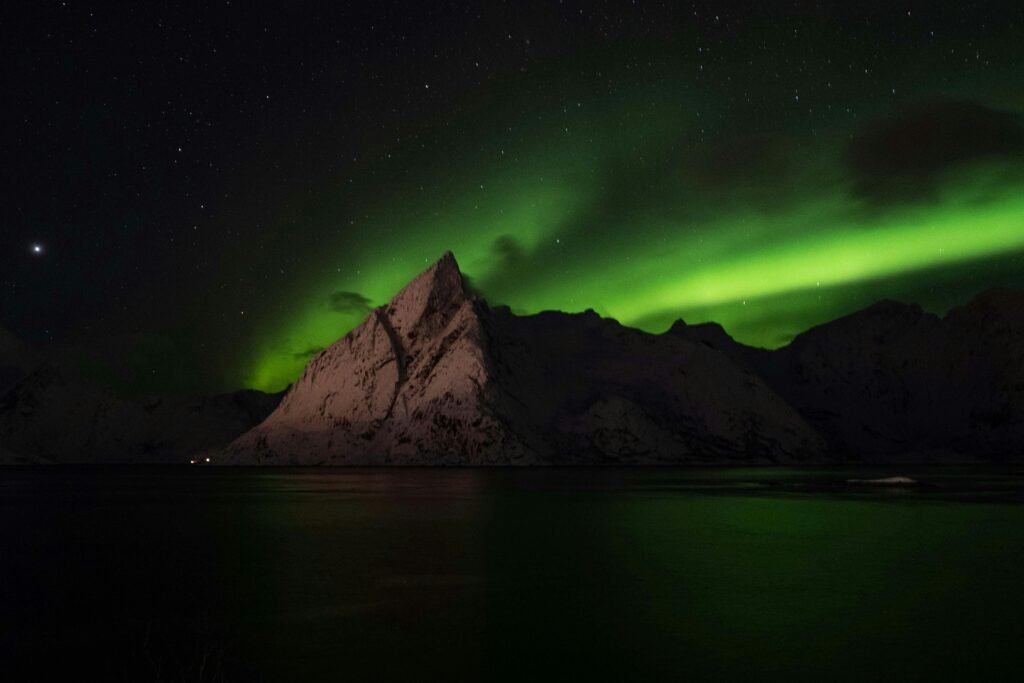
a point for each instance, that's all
(299, 574)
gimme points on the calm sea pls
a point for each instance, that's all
(196, 574)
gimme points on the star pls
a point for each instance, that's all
(37, 249)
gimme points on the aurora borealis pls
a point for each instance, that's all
(766, 168)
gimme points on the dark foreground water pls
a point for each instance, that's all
(334, 575)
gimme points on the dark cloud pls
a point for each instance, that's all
(902, 158)
(508, 257)
(765, 172)
(348, 303)
(667, 180)
(508, 252)
(657, 181)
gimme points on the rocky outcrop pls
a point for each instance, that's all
(438, 377)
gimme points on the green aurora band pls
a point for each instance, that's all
(654, 284)
(623, 210)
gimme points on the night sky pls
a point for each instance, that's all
(211, 192)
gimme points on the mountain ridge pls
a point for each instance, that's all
(560, 388)
(437, 376)
(892, 380)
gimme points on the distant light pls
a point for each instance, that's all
(207, 460)
(37, 248)
(192, 462)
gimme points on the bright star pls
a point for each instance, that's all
(37, 248)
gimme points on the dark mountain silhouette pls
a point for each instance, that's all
(894, 383)
(54, 414)
(438, 377)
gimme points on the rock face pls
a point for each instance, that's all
(438, 377)
(52, 415)
(412, 378)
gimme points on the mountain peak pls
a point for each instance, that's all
(446, 265)
(710, 334)
(447, 260)
(891, 307)
(884, 316)
(443, 278)
(439, 289)
(998, 297)
(998, 307)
